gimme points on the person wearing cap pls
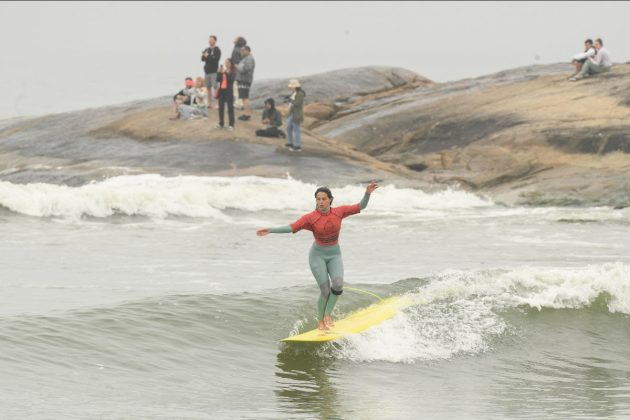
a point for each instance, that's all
(272, 120)
(296, 116)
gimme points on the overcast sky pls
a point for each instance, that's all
(63, 56)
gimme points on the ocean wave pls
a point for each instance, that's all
(456, 313)
(157, 196)
(460, 312)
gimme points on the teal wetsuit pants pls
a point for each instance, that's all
(327, 268)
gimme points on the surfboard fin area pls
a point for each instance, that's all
(356, 322)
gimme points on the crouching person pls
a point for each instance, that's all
(272, 120)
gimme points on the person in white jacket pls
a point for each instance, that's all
(601, 63)
(579, 59)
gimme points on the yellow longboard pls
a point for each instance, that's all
(356, 322)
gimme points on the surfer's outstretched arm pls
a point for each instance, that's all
(279, 229)
(366, 197)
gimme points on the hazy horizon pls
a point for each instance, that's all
(66, 56)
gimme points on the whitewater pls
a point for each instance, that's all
(151, 294)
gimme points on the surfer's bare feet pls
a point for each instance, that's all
(329, 321)
(322, 326)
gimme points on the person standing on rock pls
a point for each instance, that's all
(239, 42)
(225, 80)
(580, 59)
(245, 78)
(211, 56)
(296, 116)
(601, 63)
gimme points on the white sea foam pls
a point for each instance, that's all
(459, 312)
(208, 197)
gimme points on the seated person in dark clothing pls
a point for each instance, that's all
(272, 119)
(183, 96)
(589, 52)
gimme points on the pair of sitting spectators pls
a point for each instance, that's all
(192, 101)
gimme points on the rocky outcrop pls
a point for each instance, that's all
(522, 136)
(525, 136)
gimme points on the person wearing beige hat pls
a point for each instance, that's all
(296, 116)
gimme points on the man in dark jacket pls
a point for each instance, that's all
(211, 56)
(272, 120)
(183, 96)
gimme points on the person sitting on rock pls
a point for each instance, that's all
(183, 96)
(601, 63)
(272, 120)
(579, 59)
(198, 107)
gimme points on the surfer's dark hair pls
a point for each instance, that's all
(325, 190)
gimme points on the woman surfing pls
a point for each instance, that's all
(325, 255)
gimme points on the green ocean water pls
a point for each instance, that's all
(158, 313)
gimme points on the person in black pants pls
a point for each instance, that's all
(225, 80)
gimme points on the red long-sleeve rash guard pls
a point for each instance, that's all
(325, 226)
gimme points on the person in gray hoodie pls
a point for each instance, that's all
(245, 78)
(239, 42)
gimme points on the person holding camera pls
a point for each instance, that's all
(225, 93)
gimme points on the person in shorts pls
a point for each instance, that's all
(211, 56)
(245, 78)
